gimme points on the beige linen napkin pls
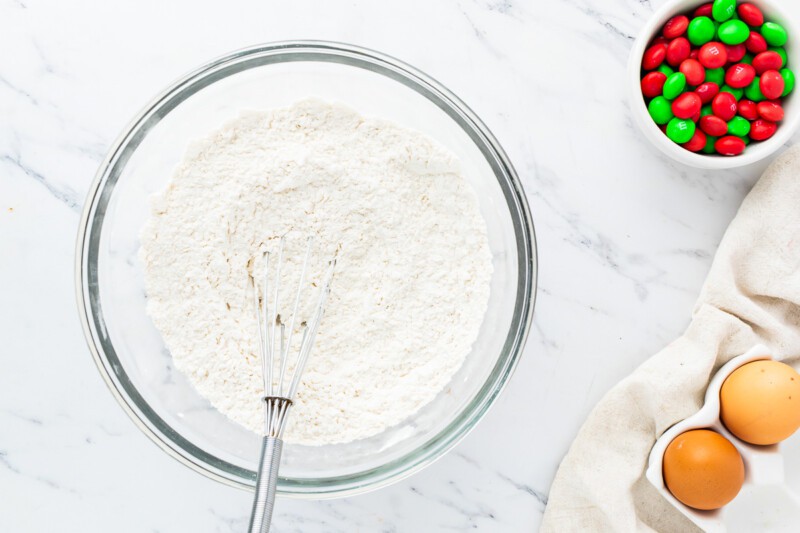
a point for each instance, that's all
(751, 295)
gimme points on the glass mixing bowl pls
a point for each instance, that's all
(128, 349)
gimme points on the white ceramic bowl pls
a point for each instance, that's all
(770, 497)
(754, 151)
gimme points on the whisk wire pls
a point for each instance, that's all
(296, 306)
(258, 310)
(311, 332)
(275, 315)
(266, 369)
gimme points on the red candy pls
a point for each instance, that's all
(741, 63)
(653, 83)
(755, 43)
(770, 111)
(707, 91)
(729, 145)
(704, 10)
(654, 56)
(750, 14)
(712, 55)
(693, 70)
(771, 84)
(761, 129)
(767, 61)
(740, 75)
(735, 52)
(697, 142)
(724, 106)
(678, 50)
(686, 105)
(676, 26)
(747, 109)
(713, 125)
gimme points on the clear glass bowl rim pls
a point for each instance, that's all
(87, 284)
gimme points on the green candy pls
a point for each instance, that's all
(722, 10)
(700, 31)
(709, 147)
(781, 52)
(747, 59)
(674, 86)
(737, 93)
(665, 70)
(660, 110)
(745, 139)
(753, 91)
(788, 81)
(733, 32)
(739, 126)
(680, 130)
(706, 110)
(773, 33)
(717, 75)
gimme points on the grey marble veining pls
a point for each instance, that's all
(625, 239)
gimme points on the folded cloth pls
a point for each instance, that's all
(751, 295)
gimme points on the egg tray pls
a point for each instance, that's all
(770, 497)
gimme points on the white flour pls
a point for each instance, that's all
(411, 285)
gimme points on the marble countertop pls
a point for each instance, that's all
(625, 240)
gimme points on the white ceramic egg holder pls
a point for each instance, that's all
(770, 498)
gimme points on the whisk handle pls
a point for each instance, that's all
(266, 485)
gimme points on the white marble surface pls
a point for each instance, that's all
(625, 240)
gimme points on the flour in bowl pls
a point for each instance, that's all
(411, 284)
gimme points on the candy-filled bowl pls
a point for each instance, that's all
(755, 150)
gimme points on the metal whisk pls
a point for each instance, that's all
(276, 338)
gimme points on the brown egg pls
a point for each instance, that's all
(760, 402)
(702, 469)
